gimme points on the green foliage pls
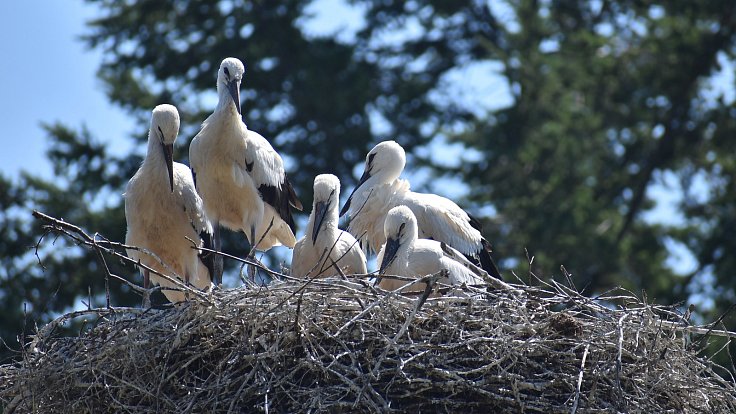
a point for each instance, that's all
(608, 97)
(42, 275)
(612, 104)
(302, 93)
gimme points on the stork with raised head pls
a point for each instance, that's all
(325, 244)
(164, 212)
(238, 174)
(439, 218)
(404, 254)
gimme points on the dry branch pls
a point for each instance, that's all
(340, 344)
(472, 350)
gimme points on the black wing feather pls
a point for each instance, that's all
(212, 261)
(293, 198)
(475, 223)
(486, 261)
(280, 200)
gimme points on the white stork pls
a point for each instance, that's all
(323, 242)
(404, 254)
(238, 174)
(381, 189)
(163, 209)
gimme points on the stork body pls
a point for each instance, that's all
(163, 211)
(380, 189)
(238, 174)
(404, 254)
(323, 242)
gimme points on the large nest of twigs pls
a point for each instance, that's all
(340, 345)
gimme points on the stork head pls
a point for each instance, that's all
(400, 229)
(229, 77)
(384, 163)
(326, 199)
(164, 129)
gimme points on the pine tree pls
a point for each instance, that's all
(607, 99)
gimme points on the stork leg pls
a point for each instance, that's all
(252, 254)
(186, 282)
(146, 285)
(217, 246)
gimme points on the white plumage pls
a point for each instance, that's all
(163, 209)
(404, 254)
(238, 174)
(438, 218)
(323, 240)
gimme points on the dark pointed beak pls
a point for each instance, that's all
(363, 178)
(169, 156)
(234, 90)
(320, 210)
(389, 253)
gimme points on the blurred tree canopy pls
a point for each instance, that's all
(609, 100)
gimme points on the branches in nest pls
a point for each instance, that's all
(341, 344)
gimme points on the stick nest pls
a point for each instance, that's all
(340, 345)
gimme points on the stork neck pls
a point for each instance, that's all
(412, 234)
(375, 190)
(331, 217)
(225, 104)
(408, 241)
(155, 151)
(328, 227)
(155, 163)
(402, 255)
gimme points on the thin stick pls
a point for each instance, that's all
(81, 237)
(429, 280)
(580, 380)
(620, 349)
(247, 261)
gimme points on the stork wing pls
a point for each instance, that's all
(266, 169)
(472, 275)
(194, 208)
(441, 219)
(351, 255)
(190, 200)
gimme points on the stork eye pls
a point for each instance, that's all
(401, 227)
(160, 133)
(370, 158)
(227, 72)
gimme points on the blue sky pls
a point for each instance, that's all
(47, 75)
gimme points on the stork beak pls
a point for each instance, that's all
(363, 178)
(389, 253)
(169, 156)
(234, 90)
(320, 210)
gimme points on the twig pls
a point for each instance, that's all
(580, 380)
(81, 237)
(247, 261)
(620, 349)
(353, 216)
(308, 345)
(430, 280)
(713, 325)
